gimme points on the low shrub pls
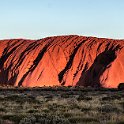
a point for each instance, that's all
(121, 86)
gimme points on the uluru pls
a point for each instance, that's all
(62, 60)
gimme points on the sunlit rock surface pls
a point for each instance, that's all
(62, 60)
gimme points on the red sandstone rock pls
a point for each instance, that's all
(62, 60)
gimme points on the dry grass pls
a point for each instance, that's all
(61, 105)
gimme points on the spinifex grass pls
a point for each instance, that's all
(63, 105)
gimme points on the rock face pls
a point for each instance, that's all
(62, 60)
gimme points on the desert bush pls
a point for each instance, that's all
(28, 120)
(33, 111)
(1, 98)
(120, 122)
(21, 99)
(45, 110)
(82, 97)
(14, 118)
(12, 97)
(85, 109)
(48, 96)
(112, 97)
(121, 86)
(6, 122)
(53, 120)
(83, 120)
(64, 95)
(67, 114)
(122, 105)
(107, 108)
(2, 110)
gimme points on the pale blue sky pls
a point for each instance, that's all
(34, 19)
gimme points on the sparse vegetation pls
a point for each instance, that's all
(61, 105)
(121, 86)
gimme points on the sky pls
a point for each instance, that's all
(36, 19)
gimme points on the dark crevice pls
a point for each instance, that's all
(80, 65)
(6, 54)
(69, 63)
(107, 46)
(98, 48)
(31, 47)
(40, 75)
(6, 71)
(4, 75)
(91, 77)
(35, 63)
(72, 39)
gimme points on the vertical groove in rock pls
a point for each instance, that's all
(69, 63)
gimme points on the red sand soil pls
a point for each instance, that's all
(62, 60)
